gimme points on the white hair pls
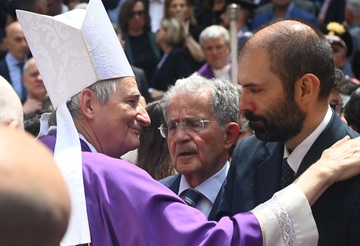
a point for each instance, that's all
(214, 32)
(10, 105)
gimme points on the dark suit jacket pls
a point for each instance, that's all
(4, 71)
(173, 183)
(175, 66)
(254, 176)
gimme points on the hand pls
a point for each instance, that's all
(342, 160)
(32, 105)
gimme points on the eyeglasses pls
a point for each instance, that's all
(135, 13)
(337, 108)
(191, 126)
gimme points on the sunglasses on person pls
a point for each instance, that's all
(136, 13)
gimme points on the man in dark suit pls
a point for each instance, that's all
(208, 112)
(286, 83)
(11, 67)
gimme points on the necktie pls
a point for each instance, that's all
(287, 174)
(192, 197)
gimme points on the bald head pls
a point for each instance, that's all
(11, 112)
(294, 49)
(34, 200)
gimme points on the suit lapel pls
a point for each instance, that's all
(332, 133)
(269, 172)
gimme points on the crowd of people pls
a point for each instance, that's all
(136, 101)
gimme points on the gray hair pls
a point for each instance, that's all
(10, 105)
(102, 90)
(354, 5)
(214, 32)
(224, 96)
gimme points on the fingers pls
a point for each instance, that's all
(340, 142)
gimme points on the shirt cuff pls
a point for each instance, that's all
(286, 219)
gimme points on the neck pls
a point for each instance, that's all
(196, 178)
(312, 121)
(136, 32)
(279, 11)
(166, 48)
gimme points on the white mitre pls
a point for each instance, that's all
(73, 51)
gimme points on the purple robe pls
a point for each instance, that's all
(125, 206)
(207, 72)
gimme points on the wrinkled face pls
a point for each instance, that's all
(179, 9)
(33, 82)
(195, 153)
(273, 115)
(216, 52)
(15, 41)
(136, 19)
(118, 122)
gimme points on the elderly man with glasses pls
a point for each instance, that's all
(200, 128)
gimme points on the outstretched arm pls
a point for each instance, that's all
(340, 162)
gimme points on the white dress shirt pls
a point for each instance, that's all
(209, 188)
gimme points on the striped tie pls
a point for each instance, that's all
(192, 197)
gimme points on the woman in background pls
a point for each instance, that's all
(184, 11)
(141, 49)
(153, 153)
(175, 63)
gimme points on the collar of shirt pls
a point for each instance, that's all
(223, 73)
(210, 187)
(296, 157)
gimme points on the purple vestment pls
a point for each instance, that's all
(125, 206)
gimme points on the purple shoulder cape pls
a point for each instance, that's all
(127, 207)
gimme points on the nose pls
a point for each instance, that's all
(245, 103)
(181, 134)
(142, 116)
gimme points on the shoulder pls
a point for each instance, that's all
(168, 181)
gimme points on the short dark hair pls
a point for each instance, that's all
(294, 53)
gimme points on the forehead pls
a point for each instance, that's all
(254, 69)
(138, 6)
(214, 41)
(175, 2)
(190, 104)
(127, 86)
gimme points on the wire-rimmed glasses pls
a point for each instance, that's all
(191, 125)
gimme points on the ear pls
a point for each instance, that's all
(231, 134)
(13, 124)
(307, 89)
(87, 100)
